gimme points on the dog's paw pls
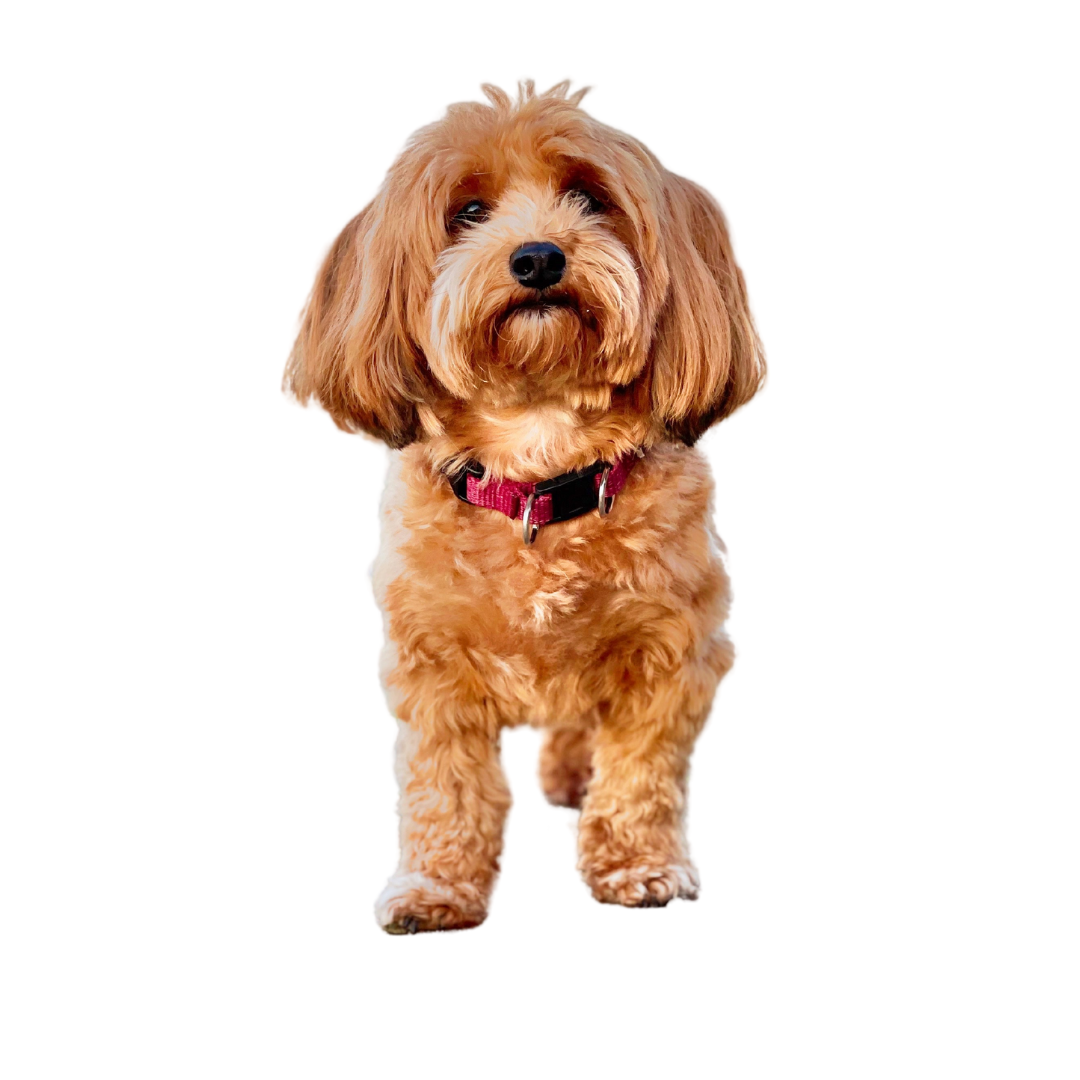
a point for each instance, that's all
(644, 884)
(414, 903)
(565, 788)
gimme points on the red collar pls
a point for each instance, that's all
(546, 501)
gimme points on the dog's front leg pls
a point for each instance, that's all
(631, 844)
(454, 799)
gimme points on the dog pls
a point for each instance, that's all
(541, 321)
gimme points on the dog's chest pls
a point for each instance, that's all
(458, 587)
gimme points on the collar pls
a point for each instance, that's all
(546, 501)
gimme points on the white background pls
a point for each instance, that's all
(196, 796)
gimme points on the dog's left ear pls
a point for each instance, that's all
(707, 359)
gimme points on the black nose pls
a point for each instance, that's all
(537, 266)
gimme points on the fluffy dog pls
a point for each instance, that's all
(541, 320)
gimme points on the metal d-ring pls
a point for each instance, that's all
(603, 503)
(529, 528)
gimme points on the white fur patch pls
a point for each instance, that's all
(401, 884)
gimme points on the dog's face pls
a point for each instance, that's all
(523, 251)
(538, 284)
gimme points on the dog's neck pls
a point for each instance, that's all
(536, 439)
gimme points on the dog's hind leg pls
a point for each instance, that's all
(566, 765)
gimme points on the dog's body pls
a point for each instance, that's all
(534, 294)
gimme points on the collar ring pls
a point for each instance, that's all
(529, 528)
(603, 503)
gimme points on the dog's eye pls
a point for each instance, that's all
(591, 203)
(472, 213)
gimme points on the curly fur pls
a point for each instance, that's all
(607, 632)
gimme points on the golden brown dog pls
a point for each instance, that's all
(534, 313)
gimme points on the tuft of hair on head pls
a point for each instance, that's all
(502, 101)
(497, 96)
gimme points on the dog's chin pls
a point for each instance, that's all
(540, 330)
(559, 338)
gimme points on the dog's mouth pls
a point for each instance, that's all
(541, 305)
(546, 310)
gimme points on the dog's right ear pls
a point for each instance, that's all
(354, 353)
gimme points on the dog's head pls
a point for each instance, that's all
(520, 250)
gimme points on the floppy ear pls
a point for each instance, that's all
(706, 356)
(353, 353)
